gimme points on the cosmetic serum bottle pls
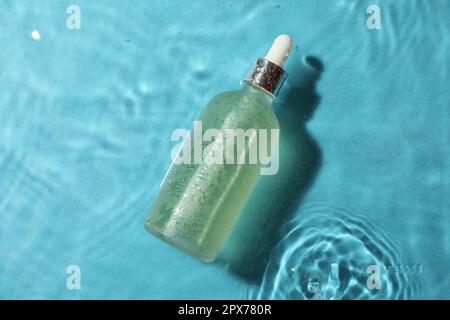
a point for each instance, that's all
(200, 201)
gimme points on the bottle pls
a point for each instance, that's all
(200, 200)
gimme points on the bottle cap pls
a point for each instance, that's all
(280, 50)
(268, 73)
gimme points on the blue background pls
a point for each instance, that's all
(86, 117)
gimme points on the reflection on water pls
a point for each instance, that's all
(335, 253)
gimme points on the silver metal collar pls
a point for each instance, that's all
(266, 75)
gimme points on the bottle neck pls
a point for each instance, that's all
(258, 92)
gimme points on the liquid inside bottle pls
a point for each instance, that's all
(199, 201)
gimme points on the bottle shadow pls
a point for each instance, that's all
(276, 197)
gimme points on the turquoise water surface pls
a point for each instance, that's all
(85, 122)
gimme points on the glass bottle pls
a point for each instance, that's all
(200, 199)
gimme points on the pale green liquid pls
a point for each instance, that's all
(199, 203)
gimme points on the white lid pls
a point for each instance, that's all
(280, 50)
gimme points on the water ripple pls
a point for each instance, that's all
(328, 252)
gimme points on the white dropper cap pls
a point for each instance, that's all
(280, 50)
(267, 73)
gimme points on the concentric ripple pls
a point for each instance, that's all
(335, 253)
